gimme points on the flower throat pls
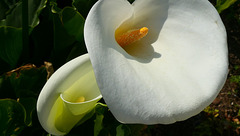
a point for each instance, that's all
(131, 36)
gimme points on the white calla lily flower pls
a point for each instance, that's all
(172, 63)
(69, 94)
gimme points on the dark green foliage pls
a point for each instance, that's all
(214, 127)
(53, 31)
(12, 116)
(84, 6)
(224, 4)
(24, 86)
(235, 79)
(12, 12)
(11, 46)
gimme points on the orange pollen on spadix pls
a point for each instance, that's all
(131, 36)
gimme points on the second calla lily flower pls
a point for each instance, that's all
(69, 94)
(157, 61)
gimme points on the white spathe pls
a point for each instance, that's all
(58, 108)
(171, 74)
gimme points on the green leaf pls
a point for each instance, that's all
(6, 88)
(83, 6)
(62, 43)
(98, 124)
(3, 9)
(4, 66)
(78, 49)
(235, 79)
(29, 82)
(100, 110)
(26, 81)
(54, 7)
(73, 22)
(224, 4)
(12, 115)
(24, 84)
(34, 8)
(55, 40)
(11, 45)
(14, 18)
(42, 38)
(29, 105)
(6, 7)
(123, 130)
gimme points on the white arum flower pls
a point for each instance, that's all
(172, 63)
(68, 95)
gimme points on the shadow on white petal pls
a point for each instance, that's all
(153, 18)
(142, 52)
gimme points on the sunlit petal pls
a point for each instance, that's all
(171, 74)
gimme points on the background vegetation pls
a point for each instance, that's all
(39, 36)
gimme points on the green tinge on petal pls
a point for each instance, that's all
(59, 107)
(80, 108)
(67, 110)
(82, 88)
(64, 119)
(69, 114)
